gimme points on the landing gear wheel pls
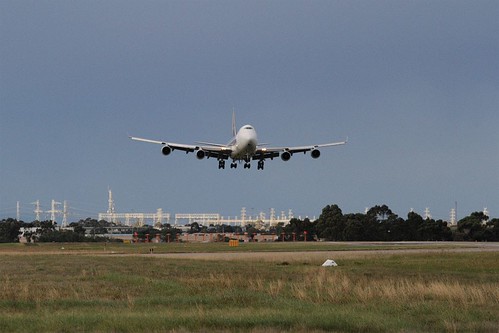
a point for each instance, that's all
(221, 164)
(260, 165)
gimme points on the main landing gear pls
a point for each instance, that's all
(247, 165)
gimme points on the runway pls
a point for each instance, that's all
(426, 247)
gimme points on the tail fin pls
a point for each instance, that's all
(234, 130)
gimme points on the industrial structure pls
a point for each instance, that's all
(206, 219)
(135, 219)
(243, 220)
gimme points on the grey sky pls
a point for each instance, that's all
(413, 84)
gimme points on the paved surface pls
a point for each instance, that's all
(451, 247)
(388, 248)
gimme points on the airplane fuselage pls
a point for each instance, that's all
(245, 144)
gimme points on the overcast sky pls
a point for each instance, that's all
(413, 84)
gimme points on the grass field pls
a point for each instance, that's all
(97, 288)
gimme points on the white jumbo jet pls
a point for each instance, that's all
(243, 147)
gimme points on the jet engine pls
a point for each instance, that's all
(200, 154)
(315, 153)
(285, 156)
(166, 150)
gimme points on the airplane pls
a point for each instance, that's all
(243, 147)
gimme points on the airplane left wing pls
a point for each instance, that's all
(304, 149)
(286, 152)
(263, 153)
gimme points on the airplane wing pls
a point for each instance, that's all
(286, 152)
(204, 150)
(304, 149)
(173, 146)
(263, 153)
(211, 144)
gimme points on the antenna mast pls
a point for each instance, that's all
(110, 201)
(53, 210)
(453, 216)
(243, 216)
(65, 214)
(37, 210)
(427, 214)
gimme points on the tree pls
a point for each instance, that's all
(194, 228)
(299, 227)
(330, 224)
(42, 228)
(66, 236)
(381, 213)
(143, 232)
(473, 226)
(492, 230)
(277, 230)
(395, 230)
(169, 233)
(413, 227)
(251, 231)
(79, 229)
(379, 223)
(98, 227)
(9, 230)
(442, 231)
(354, 227)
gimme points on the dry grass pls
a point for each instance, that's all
(446, 292)
(323, 287)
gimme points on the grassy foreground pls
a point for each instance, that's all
(444, 292)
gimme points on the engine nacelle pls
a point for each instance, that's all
(315, 153)
(200, 154)
(285, 156)
(166, 150)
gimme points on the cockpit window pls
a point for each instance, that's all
(248, 127)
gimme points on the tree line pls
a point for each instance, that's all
(43, 231)
(378, 224)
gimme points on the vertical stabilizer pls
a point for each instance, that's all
(234, 130)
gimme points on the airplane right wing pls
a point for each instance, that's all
(173, 146)
(202, 151)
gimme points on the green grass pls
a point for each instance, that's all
(445, 292)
